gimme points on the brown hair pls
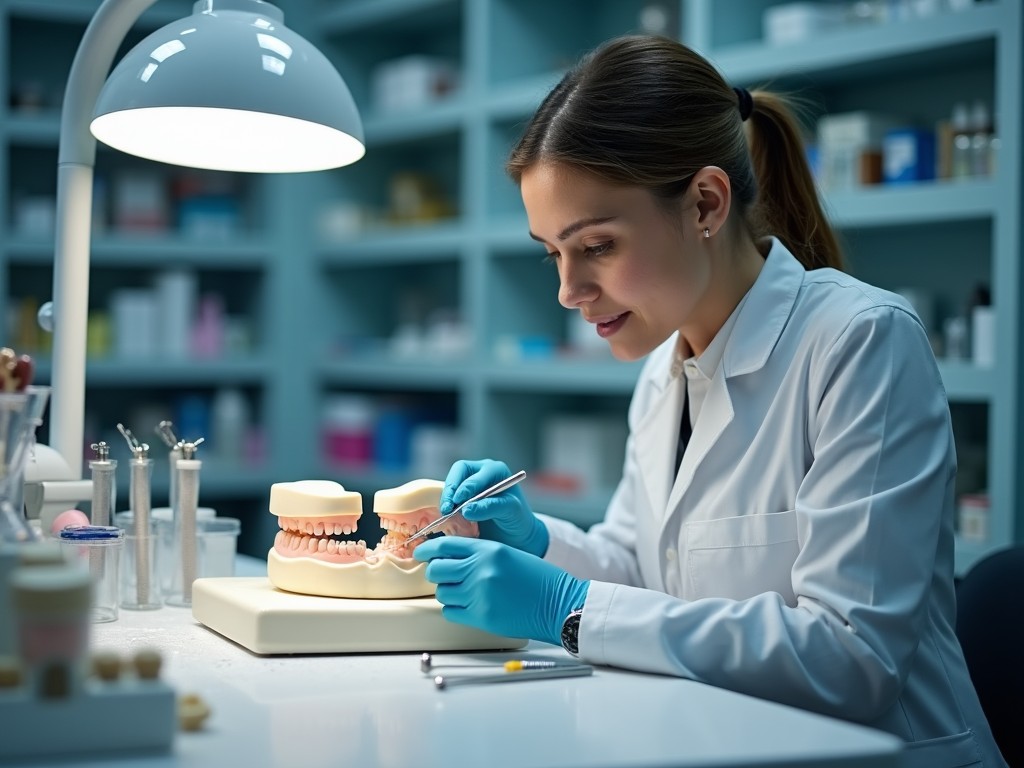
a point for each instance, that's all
(648, 111)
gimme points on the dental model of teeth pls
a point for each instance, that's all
(311, 557)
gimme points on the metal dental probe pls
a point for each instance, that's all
(498, 487)
(575, 670)
(512, 665)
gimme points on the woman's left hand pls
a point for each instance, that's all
(498, 589)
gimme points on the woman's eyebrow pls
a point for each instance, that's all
(575, 227)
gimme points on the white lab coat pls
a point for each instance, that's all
(804, 551)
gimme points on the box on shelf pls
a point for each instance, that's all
(850, 148)
(908, 155)
(589, 449)
(795, 22)
(412, 82)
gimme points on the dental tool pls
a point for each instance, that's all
(140, 495)
(498, 487)
(512, 665)
(564, 670)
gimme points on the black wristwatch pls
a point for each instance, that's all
(571, 632)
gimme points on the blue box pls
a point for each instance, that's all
(908, 155)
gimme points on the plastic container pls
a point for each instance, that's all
(217, 544)
(97, 548)
(141, 588)
(162, 522)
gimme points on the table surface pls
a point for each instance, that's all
(381, 710)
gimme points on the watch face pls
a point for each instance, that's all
(571, 632)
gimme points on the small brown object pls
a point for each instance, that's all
(147, 664)
(192, 712)
(10, 673)
(106, 665)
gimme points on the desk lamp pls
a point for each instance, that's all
(228, 88)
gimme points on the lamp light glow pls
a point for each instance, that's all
(227, 139)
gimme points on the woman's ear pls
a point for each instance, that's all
(713, 194)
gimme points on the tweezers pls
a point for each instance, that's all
(498, 487)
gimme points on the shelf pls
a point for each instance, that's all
(382, 372)
(214, 481)
(83, 10)
(168, 372)
(32, 128)
(520, 98)
(913, 204)
(359, 15)
(143, 252)
(868, 51)
(399, 244)
(583, 376)
(966, 383)
(443, 116)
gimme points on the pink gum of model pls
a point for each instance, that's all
(311, 536)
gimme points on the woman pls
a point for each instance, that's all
(784, 523)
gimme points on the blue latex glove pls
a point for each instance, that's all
(493, 587)
(505, 517)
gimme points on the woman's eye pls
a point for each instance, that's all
(599, 249)
(550, 258)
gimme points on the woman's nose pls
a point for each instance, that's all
(575, 286)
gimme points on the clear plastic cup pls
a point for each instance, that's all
(140, 572)
(97, 548)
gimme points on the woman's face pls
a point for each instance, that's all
(622, 261)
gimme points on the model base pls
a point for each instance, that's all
(267, 620)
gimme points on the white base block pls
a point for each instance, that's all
(106, 718)
(266, 620)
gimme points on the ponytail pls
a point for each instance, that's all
(787, 203)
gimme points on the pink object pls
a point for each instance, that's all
(66, 518)
(208, 331)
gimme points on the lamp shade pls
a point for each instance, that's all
(230, 88)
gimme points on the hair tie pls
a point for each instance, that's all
(745, 102)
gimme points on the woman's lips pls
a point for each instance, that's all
(606, 328)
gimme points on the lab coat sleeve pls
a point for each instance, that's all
(869, 512)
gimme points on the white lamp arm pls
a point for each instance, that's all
(77, 156)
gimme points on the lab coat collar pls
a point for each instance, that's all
(757, 330)
(768, 307)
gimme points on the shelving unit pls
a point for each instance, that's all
(38, 39)
(941, 236)
(331, 267)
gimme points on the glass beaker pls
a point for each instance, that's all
(20, 414)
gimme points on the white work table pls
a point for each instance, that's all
(380, 710)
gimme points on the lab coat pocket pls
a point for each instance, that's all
(739, 557)
(957, 751)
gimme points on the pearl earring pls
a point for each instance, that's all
(707, 233)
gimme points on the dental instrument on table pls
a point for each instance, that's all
(497, 488)
(562, 670)
(512, 665)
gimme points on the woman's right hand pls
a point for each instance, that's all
(504, 517)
